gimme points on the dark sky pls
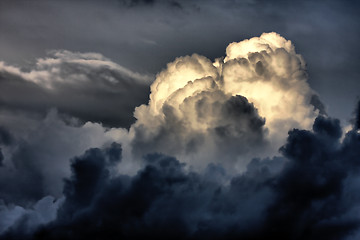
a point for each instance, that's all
(144, 35)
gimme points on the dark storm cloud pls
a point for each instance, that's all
(5, 139)
(5, 136)
(356, 120)
(161, 201)
(27, 220)
(39, 155)
(85, 168)
(1, 158)
(306, 194)
(318, 105)
(310, 190)
(87, 86)
(26, 175)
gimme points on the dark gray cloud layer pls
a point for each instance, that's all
(309, 193)
(84, 85)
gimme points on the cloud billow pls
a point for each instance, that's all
(242, 104)
(305, 194)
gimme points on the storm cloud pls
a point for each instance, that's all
(308, 193)
(40, 156)
(112, 135)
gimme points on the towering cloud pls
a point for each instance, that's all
(244, 103)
